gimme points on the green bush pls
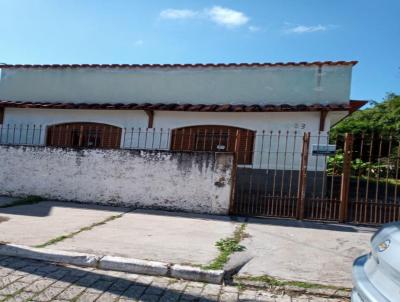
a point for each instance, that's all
(385, 167)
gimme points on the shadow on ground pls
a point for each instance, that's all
(43, 209)
(309, 224)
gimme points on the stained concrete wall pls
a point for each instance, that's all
(194, 182)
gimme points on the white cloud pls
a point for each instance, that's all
(220, 15)
(171, 13)
(227, 17)
(301, 29)
(254, 28)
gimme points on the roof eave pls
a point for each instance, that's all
(196, 65)
(178, 107)
(356, 105)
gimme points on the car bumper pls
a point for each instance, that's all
(364, 290)
(355, 297)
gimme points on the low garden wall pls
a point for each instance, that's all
(186, 181)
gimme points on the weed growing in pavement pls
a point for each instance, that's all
(227, 247)
(271, 281)
(70, 235)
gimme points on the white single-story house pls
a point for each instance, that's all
(179, 100)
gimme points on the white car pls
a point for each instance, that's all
(376, 276)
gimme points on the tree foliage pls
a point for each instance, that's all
(382, 118)
(385, 167)
(376, 140)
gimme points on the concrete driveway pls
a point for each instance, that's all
(305, 251)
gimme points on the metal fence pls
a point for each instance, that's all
(285, 179)
(372, 166)
(293, 174)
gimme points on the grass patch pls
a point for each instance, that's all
(227, 247)
(271, 281)
(31, 199)
(84, 229)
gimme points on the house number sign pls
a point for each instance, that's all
(323, 150)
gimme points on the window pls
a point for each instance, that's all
(84, 135)
(216, 139)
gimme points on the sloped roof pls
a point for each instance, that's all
(351, 106)
(196, 65)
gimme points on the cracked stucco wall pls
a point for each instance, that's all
(193, 182)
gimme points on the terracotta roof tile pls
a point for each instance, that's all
(351, 106)
(197, 65)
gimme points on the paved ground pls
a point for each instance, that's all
(305, 251)
(27, 280)
(37, 223)
(286, 249)
(155, 235)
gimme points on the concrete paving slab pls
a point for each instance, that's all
(155, 235)
(37, 223)
(305, 251)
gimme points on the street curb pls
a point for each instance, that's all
(73, 258)
(197, 274)
(129, 265)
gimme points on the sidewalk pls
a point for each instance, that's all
(38, 223)
(155, 235)
(309, 252)
(150, 235)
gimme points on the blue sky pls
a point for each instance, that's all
(129, 31)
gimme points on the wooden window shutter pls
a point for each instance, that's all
(215, 139)
(245, 145)
(84, 135)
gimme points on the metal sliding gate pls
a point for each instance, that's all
(316, 176)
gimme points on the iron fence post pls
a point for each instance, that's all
(345, 182)
(301, 192)
(233, 198)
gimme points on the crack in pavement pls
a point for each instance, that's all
(83, 229)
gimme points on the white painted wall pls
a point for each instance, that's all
(269, 149)
(308, 121)
(45, 117)
(193, 182)
(250, 120)
(268, 153)
(266, 85)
